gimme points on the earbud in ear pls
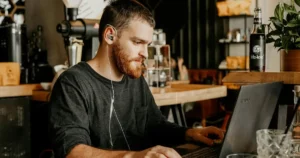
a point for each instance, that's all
(111, 37)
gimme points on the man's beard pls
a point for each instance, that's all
(123, 62)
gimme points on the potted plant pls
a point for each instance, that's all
(285, 33)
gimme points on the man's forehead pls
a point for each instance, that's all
(140, 29)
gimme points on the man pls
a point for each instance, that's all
(104, 108)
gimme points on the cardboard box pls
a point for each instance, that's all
(234, 7)
(237, 62)
(9, 73)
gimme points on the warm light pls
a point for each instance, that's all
(72, 3)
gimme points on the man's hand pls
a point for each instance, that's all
(155, 152)
(180, 61)
(203, 135)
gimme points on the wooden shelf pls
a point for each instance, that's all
(233, 69)
(20, 7)
(243, 42)
(19, 90)
(158, 69)
(261, 77)
(237, 16)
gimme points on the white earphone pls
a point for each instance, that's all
(112, 109)
(111, 37)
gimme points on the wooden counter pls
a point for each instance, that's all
(261, 77)
(183, 93)
(174, 94)
(20, 90)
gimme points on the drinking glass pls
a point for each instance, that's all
(272, 143)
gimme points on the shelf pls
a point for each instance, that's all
(20, 7)
(233, 69)
(237, 16)
(15, 7)
(158, 69)
(243, 42)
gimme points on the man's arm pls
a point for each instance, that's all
(161, 131)
(84, 151)
(68, 115)
(158, 128)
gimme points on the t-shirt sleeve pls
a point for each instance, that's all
(159, 129)
(68, 116)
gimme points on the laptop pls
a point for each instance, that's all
(253, 110)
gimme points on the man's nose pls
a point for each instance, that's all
(144, 52)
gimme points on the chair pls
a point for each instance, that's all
(208, 111)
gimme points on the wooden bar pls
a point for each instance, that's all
(174, 94)
(183, 93)
(40, 95)
(19, 90)
(239, 78)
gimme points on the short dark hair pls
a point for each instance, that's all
(120, 12)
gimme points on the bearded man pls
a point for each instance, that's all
(104, 108)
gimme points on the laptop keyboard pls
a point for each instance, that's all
(207, 152)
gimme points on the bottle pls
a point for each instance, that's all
(7, 19)
(257, 44)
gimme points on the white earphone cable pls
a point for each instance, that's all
(111, 112)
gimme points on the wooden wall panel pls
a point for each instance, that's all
(47, 13)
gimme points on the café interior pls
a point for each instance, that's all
(208, 39)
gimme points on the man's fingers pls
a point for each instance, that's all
(203, 139)
(155, 155)
(167, 152)
(216, 131)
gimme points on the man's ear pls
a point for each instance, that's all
(109, 35)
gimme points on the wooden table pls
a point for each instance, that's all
(173, 94)
(236, 79)
(183, 93)
(19, 90)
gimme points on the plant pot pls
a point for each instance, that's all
(290, 61)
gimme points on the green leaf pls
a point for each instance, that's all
(277, 43)
(297, 2)
(278, 24)
(270, 40)
(291, 16)
(291, 11)
(289, 7)
(293, 33)
(279, 11)
(275, 33)
(284, 22)
(279, 49)
(297, 45)
(293, 23)
(297, 40)
(286, 42)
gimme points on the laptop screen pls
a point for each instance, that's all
(253, 110)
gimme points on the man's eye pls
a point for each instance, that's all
(137, 42)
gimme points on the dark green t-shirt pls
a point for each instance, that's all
(80, 111)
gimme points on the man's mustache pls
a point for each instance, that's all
(141, 59)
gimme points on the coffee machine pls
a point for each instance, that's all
(12, 42)
(80, 35)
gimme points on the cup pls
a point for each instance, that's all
(273, 143)
(241, 155)
(295, 148)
